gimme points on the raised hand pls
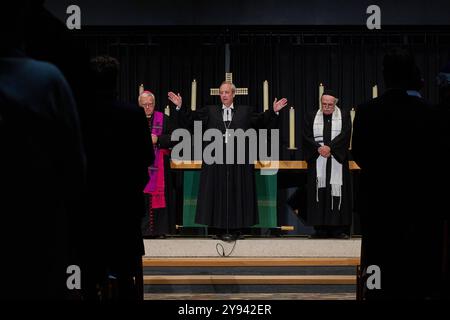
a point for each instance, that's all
(175, 98)
(278, 105)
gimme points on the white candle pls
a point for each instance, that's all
(291, 128)
(352, 116)
(321, 89)
(193, 95)
(141, 89)
(266, 95)
(167, 111)
(375, 91)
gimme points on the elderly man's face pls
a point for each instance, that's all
(226, 94)
(328, 104)
(148, 103)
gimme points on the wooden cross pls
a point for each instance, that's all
(229, 78)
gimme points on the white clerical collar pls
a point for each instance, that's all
(225, 107)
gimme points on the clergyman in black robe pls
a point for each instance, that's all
(160, 214)
(327, 142)
(227, 193)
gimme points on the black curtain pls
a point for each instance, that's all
(294, 61)
(164, 64)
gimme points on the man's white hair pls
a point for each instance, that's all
(146, 94)
(233, 87)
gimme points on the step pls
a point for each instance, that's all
(250, 280)
(252, 248)
(252, 296)
(248, 262)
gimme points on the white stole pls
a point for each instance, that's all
(321, 162)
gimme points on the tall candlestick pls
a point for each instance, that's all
(194, 95)
(291, 128)
(375, 91)
(141, 89)
(352, 116)
(266, 95)
(321, 89)
(167, 111)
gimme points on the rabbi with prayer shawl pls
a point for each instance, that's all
(326, 141)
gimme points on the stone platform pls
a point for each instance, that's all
(253, 247)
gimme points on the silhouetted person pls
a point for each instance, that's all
(119, 151)
(443, 113)
(415, 83)
(42, 169)
(48, 39)
(443, 80)
(393, 144)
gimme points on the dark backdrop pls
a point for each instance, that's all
(294, 60)
(252, 12)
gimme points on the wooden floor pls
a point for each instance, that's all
(250, 296)
(248, 262)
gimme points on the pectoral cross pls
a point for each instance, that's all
(226, 135)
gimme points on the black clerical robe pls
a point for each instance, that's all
(321, 213)
(227, 192)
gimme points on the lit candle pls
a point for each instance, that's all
(375, 91)
(266, 95)
(141, 89)
(291, 128)
(352, 116)
(167, 111)
(193, 95)
(321, 89)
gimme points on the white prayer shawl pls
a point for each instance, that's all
(321, 163)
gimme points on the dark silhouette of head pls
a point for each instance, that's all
(443, 81)
(104, 74)
(398, 69)
(416, 82)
